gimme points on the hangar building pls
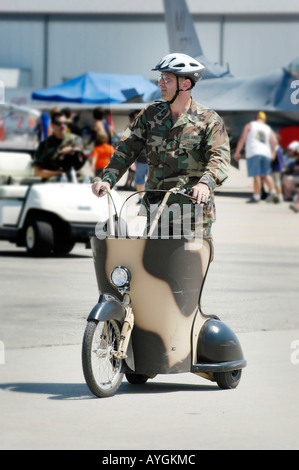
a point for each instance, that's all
(46, 42)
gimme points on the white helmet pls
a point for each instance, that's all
(181, 65)
(293, 145)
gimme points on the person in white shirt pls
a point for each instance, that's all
(260, 144)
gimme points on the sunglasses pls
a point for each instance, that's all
(164, 77)
(60, 123)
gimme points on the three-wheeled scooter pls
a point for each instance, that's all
(148, 319)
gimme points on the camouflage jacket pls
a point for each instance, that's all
(193, 149)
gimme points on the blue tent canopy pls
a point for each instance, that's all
(97, 88)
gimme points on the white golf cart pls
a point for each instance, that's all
(46, 218)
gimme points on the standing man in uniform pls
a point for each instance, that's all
(260, 148)
(186, 143)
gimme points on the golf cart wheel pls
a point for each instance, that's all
(102, 370)
(63, 247)
(39, 237)
(227, 380)
(137, 379)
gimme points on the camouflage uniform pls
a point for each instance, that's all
(47, 153)
(193, 149)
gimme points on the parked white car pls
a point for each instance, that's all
(47, 217)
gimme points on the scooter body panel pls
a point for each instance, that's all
(167, 279)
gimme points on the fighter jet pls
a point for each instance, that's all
(22, 111)
(182, 37)
(236, 99)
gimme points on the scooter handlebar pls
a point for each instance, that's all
(188, 193)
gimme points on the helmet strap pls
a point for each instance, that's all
(178, 90)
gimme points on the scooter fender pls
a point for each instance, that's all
(218, 348)
(108, 308)
(111, 308)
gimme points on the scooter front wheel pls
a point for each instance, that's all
(227, 380)
(102, 370)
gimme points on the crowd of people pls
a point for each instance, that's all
(64, 144)
(290, 176)
(275, 170)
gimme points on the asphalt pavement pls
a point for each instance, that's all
(252, 286)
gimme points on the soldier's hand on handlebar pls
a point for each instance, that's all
(99, 188)
(200, 193)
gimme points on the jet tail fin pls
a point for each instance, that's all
(182, 37)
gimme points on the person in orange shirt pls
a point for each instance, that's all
(101, 153)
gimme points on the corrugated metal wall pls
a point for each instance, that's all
(254, 46)
(22, 46)
(104, 47)
(57, 48)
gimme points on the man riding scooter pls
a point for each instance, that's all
(186, 143)
(148, 318)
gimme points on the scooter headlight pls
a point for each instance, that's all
(120, 276)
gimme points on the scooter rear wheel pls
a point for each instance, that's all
(137, 379)
(227, 380)
(102, 370)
